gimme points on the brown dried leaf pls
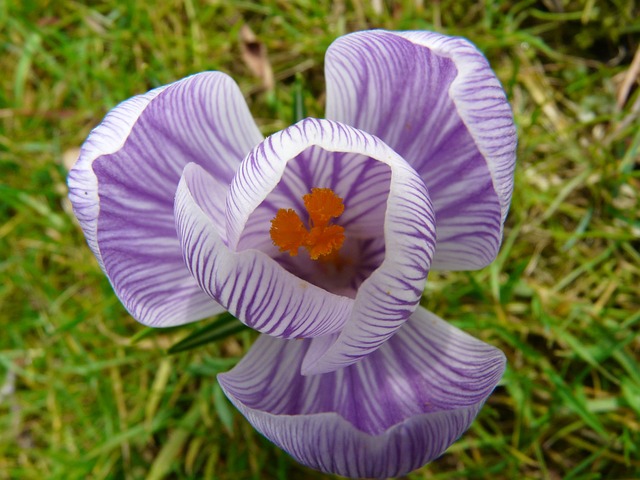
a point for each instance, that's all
(254, 55)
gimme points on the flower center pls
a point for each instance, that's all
(321, 238)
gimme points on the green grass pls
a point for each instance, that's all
(79, 399)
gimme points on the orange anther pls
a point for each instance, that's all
(288, 232)
(323, 205)
(322, 238)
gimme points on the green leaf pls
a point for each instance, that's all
(222, 327)
(151, 331)
(631, 393)
(221, 405)
(573, 399)
(299, 110)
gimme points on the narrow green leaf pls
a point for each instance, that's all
(575, 402)
(580, 229)
(174, 445)
(631, 393)
(221, 405)
(150, 331)
(506, 290)
(224, 326)
(299, 108)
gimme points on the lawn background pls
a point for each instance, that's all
(79, 399)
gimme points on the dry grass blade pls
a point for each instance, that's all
(630, 77)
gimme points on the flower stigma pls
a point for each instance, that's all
(321, 238)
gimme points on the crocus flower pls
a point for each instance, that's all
(320, 237)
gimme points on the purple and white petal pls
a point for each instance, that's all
(359, 180)
(311, 153)
(123, 187)
(248, 283)
(482, 104)
(391, 293)
(106, 138)
(435, 100)
(362, 183)
(397, 409)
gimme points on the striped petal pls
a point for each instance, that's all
(391, 413)
(123, 186)
(361, 182)
(435, 100)
(248, 283)
(384, 300)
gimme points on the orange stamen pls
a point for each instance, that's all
(288, 232)
(322, 239)
(323, 205)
